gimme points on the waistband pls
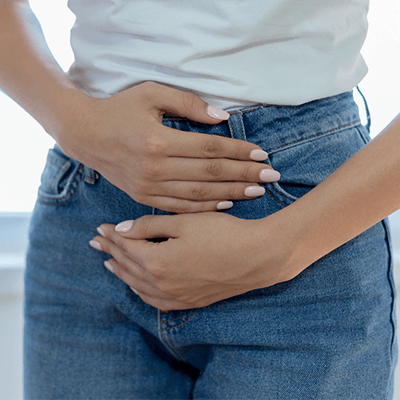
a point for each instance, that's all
(282, 124)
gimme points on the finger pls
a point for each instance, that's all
(118, 248)
(201, 145)
(142, 286)
(150, 227)
(162, 304)
(213, 170)
(205, 191)
(184, 104)
(183, 206)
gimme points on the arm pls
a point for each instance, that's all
(122, 137)
(198, 265)
(28, 72)
(360, 193)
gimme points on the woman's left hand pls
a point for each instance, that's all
(205, 258)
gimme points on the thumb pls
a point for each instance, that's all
(149, 227)
(186, 104)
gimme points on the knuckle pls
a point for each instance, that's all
(213, 169)
(123, 245)
(211, 147)
(142, 225)
(199, 192)
(157, 270)
(235, 191)
(188, 101)
(146, 90)
(240, 150)
(151, 169)
(148, 86)
(247, 174)
(155, 146)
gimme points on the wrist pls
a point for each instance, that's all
(68, 121)
(63, 111)
(281, 253)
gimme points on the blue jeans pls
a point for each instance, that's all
(327, 334)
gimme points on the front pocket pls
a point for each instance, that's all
(306, 164)
(60, 178)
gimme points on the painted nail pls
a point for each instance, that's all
(124, 226)
(258, 155)
(224, 205)
(269, 175)
(109, 266)
(101, 232)
(133, 290)
(254, 191)
(217, 113)
(96, 245)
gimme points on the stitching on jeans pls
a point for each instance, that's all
(242, 128)
(177, 326)
(183, 323)
(318, 134)
(74, 187)
(277, 199)
(252, 109)
(166, 340)
(175, 319)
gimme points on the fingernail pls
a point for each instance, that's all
(101, 232)
(269, 175)
(217, 113)
(254, 191)
(109, 266)
(124, 226)
(133, 290)
(258, 155)
(224, 205)
(96, 245)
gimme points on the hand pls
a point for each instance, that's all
(207, 258)
(122, 137)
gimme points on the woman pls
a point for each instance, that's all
(173, 107)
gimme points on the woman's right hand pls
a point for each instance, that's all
(122, 137)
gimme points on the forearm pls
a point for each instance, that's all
(363, 191)
(28, 72)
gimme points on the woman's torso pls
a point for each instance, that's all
(230, 52)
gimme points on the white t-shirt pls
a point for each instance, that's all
(230, 52)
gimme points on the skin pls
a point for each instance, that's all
(122, 137)
(196, 266)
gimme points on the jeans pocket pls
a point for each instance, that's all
(306, 164)
(60, 178)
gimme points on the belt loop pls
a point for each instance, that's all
(236, 126)
(368, 126)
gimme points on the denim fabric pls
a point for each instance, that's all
(327, 334)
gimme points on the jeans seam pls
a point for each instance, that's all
(334, 130)
(177, 326)
(166, 340)
(73, 189)
(392, 287)
(175, 319)
(270, 193)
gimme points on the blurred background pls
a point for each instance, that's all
(24, 145)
